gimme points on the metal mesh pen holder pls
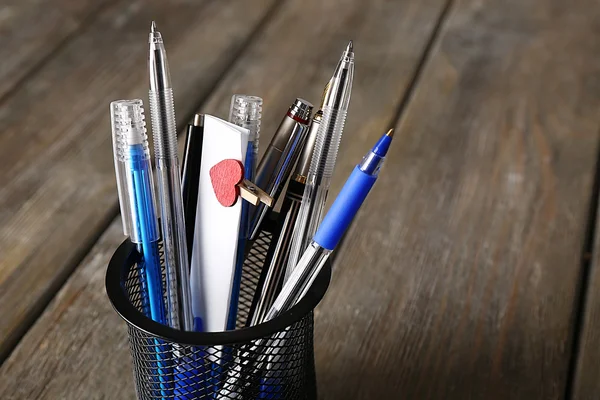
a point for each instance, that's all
(273, 360)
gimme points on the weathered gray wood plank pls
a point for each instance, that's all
(57, 190)
(586, 376)
(458, 279)
(82, 350)
(31, 30)
(294, 56)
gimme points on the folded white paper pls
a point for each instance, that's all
(217, 228)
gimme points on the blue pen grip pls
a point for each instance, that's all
(344, 208)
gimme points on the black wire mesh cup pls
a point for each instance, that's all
(273, 360)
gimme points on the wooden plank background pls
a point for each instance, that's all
(57, 179)
(269, 55)
(458, 279)
(586, 385)
(35, 32)
(461, 277)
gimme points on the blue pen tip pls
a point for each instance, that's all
(383, 145)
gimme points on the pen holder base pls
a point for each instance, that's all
(173, 364)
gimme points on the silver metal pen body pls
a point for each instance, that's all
(277, 163)
(275, 270)
(164, 129)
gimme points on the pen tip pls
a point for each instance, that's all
(153, 27)
(350, 47)
(383, 144)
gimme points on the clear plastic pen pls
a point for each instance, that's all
(335, 108)
(246, 111)
(135, 185)
(170, 197)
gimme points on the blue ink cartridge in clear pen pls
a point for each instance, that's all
(135, 184)
(245, 111)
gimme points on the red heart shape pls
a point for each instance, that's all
(224, 176)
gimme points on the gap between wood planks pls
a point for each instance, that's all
(85, 248)
(583, 286)
(408, 92)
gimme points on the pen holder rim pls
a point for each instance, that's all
(126, 253)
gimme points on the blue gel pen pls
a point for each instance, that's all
(135, 185)
(136, 196)
(245, 111)
(328, 235)
(333, 227)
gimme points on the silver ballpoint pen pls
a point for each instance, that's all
(164, 129)
(335, 108)
(274, 271)
(279, 159)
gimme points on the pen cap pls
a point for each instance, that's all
(300, 110)
(303, 164)
(132, 154)
(245, 111)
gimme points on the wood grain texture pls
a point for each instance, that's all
(389, 38)
(586, 378)
(79, 348)
(278, 72)
(32, 30)
(458, 279)
(57, 188)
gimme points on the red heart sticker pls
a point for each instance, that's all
(224, 176)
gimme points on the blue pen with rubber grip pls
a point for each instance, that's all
(333, 227)
(330, 232)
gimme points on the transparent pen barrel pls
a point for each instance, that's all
(175, 245)
(164, 128)
(300, 279)
(328, 142)
(318, 182)
(164, 131)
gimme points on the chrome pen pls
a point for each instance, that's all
(273, 273)
(279, 159)
(164, 131)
